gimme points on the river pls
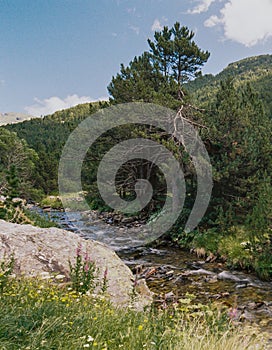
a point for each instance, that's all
(171, 272)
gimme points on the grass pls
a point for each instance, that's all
(21, 215)
(43, 315)
(52, 201)
(38, 220)
(237, 248)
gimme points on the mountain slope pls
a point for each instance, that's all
(47, 137)
(256, 70)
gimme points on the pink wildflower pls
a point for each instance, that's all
(78, 250)
(233, 313)
(86, 267)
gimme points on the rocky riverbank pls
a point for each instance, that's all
(170, 272)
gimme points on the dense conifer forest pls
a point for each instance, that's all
(233, 114)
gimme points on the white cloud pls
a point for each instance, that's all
(245, 21)
(203, 6)
(156, 26)
(212, 21)
(54, 103)
(136, 30)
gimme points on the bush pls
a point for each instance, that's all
(263, 264)
(209, 240)
(52, 201)
(38, 220)
(237, 248)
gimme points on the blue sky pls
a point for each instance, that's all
(57, 53)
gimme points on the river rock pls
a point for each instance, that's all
(225, 275)
(246, 315)
(39, 252)
(198, 272)
(241, 286)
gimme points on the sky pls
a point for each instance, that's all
(55, 54)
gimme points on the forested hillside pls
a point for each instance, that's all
(255, 70)
(47, 137)
(232, 113)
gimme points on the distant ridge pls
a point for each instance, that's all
(13, 117)
(82, 109)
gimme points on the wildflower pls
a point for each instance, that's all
(164, 305)
(140, 328)
(233, 313)
(90, 338)
(87, 259)
(105, 280)
(78, 250)
(86, 345)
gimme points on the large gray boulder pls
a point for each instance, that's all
(46, 252)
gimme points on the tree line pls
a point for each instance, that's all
(234, 126)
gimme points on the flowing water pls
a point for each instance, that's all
(171, 272)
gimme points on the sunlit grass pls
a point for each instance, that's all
(42, 315)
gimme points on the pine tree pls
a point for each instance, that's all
(158, 76)
(240, 137)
